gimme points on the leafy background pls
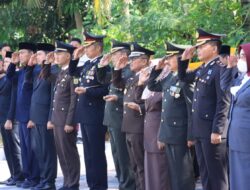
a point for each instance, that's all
(150, 22)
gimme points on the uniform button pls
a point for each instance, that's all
(62, 109)
(54, 100)
(128, 95)
(145, 121)
(110, 90)
(195, 99)
(90, 104)
(174, 123)
(78, 99)
(162, 110)
(53, 109)
(165, 100)
(124, 112)
(206, 115)
(162, 120)
(192, 110)
(116, 109)
(197, 89)
(167, 90)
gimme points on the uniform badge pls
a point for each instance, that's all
(175, 91)
(208, 78)
(75, 81)
(209, 71)
(88, 81)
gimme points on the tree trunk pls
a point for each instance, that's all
(247, 16)
(78, 20)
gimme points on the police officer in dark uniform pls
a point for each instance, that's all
(209, 110)
(90, 112)
(63, 118)
(7, 116)
(42, 137)
(134, 109)
(175, 127)
(114, 112)
(23, 101)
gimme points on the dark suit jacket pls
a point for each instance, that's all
(24, 92)
(210, 104)
(133, 121)
(42, 94)
(176, 123)
(64, 102)
(7, 93)
(90, 106)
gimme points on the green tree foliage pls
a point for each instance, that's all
(150, 22)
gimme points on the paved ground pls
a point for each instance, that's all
(112, 181)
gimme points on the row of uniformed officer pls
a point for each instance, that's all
(113, 114)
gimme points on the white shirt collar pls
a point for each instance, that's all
(65, 67)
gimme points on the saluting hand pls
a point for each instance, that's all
(32, 60)
(8, 125)
(161, 64)
(50, 125)
(110, 98)
(188, 53)
(144, 76)
(232, 61)
(161, 145)
(79, 52)
(80, 90)
(122, 62)
(30, 124)
(15, 58)
(68, 129)
(105, 60)
(215, 138)
(50, 58)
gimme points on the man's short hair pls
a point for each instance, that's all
(216, 43)
(77, 40)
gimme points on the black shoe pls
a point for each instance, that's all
(28, 184)
(6, 181)
(11, 182)
(38, 186)
(63, 188)
(48, 186)
(19, 183)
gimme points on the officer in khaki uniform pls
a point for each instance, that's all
(114, 112)
(133, 115)
(175, 128)
(209, 110)
(63, 119)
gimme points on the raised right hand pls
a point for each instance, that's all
(50, 58)
(105, 60)
(79, 52)
(188, 53)
(161, 64)
(232, 61)
(15, 58)
(32, 60)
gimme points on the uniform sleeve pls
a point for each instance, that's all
(118, 81)
(183, 74)
(97, 92)
(11, 71)
(73, 69)
(72, 106)
(222, 107)
(12, 108)
(138, 94)
(226, 78)
(154, 85)
(104, 74)
(188, 90)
